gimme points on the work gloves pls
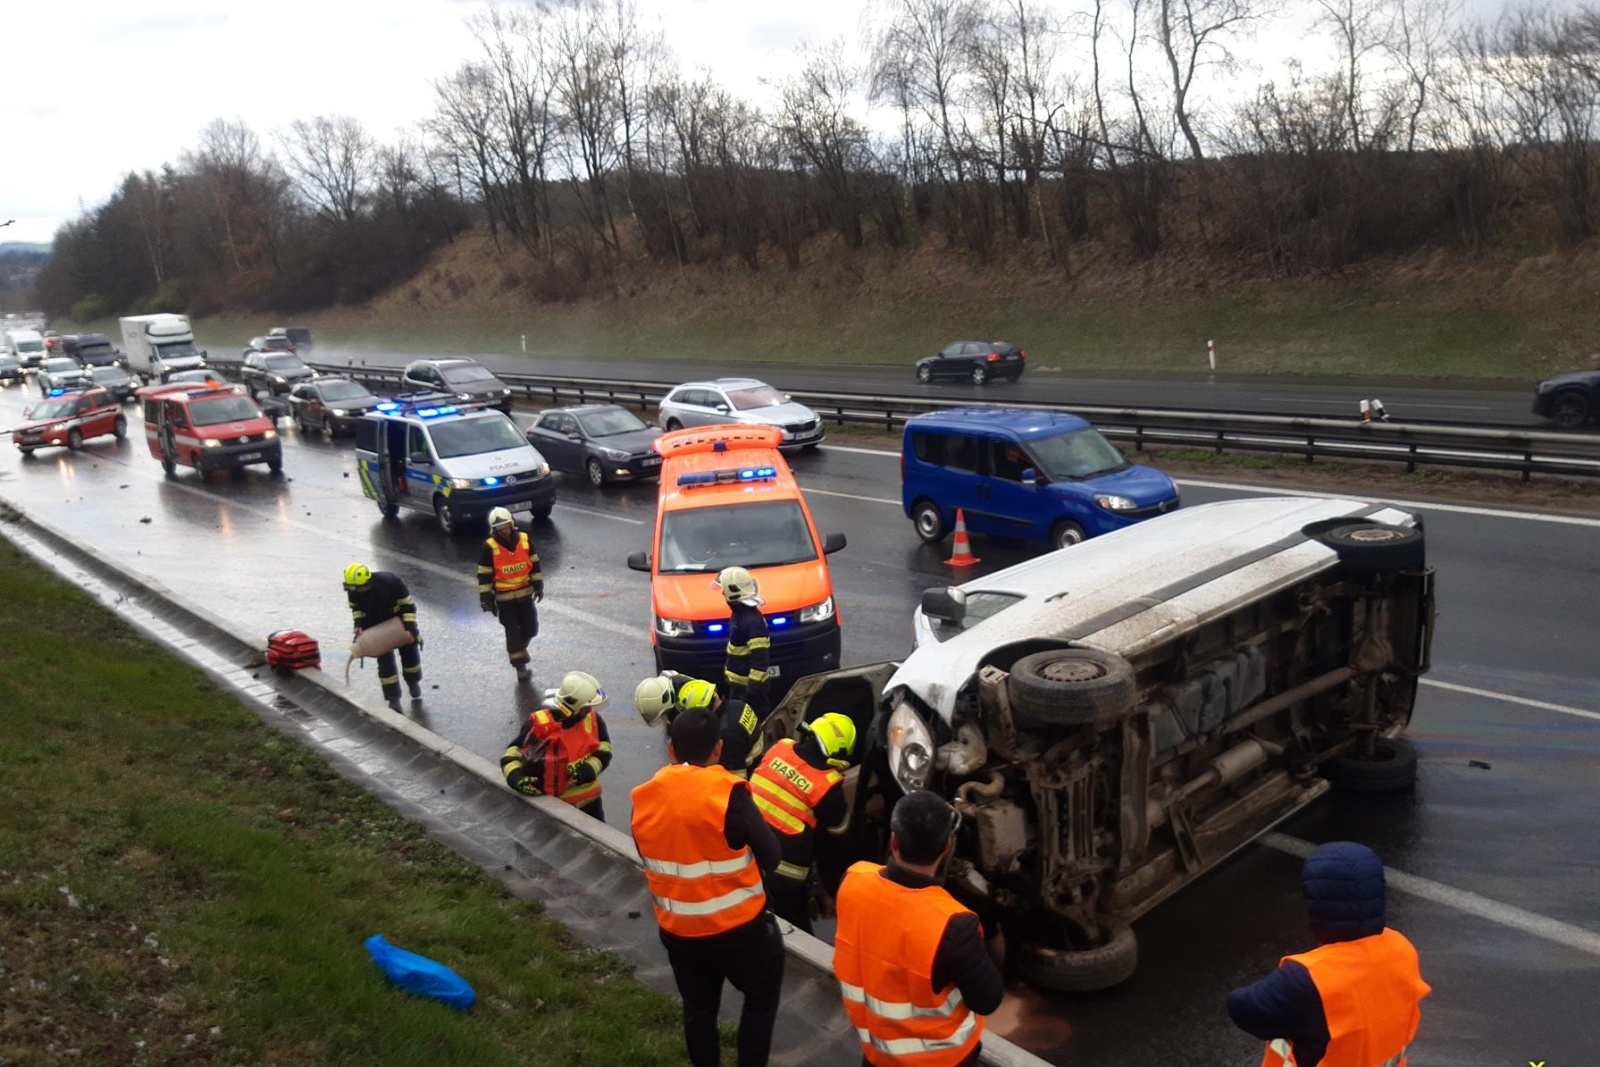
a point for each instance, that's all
(538, 595)
(487, 604)
(582, 772)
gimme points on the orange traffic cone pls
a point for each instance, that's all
(962, 555)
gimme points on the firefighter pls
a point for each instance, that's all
(795, 785)
(510, 582)
(915, 971)
(662, 698)
(378, 596)
(564, 747)
(749, 646)
(704, 845)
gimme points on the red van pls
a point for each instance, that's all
(208, 428)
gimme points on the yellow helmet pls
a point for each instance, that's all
(736, 584)
(357, 575)
(836, 733)
(579, 691)
(697, 694)
(500, 517)
(654, 698)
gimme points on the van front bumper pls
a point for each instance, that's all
(534, 494)
(809, 649)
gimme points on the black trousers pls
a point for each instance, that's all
(751, 958)
(789, 898)
(521, 622)
(411, 660)
(596, 808)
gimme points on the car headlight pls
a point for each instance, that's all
(541, 470)
(910, 748)
(613, 453)
(269, 435)
(280, 379)
(463, 396)
(1112, 502)
(818, 612)
(212, 442)
(461, 483)
(506, 391)
(340, 412)
(673, 627)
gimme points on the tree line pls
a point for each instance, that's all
(996, 128)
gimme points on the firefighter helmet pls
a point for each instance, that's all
(697, 694)
(499, 517)
(654, 698)
(580, 691)
(736, 584)
(836, 733)
(357, 575)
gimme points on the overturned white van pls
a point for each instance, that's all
(1114, 719)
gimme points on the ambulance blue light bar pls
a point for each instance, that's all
(732, 474)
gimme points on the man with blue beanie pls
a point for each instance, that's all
(1354, 1000)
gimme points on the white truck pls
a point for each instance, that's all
(157, 345)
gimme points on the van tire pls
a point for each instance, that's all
(1392, 768)
(1088, 970)
(390, 511)
(929, 521)
(1071, 687)
(1066, 533)
(275, 462)
(446, 517)
(540, 514)
(1376, 547)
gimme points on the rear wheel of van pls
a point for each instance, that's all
(1073, 969)
(1376, 548)
(1391, 768)
(1067, 533)
(1071, 687)
(446, 517)
(929, 521)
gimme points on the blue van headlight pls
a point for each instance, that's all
(1113, 502)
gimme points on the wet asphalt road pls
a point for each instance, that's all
(1407, 400)
(1505, 902)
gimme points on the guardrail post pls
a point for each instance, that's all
(1411, 464)
(1221, 434)
(1527, 469)
(1311, 450)
(1138, 438)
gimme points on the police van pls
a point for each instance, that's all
(429, 452)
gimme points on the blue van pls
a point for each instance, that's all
(1026, 474)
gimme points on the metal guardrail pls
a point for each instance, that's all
(1527, 452)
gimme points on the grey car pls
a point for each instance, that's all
(465, 378)
(273, 373)
(603, 442)
(116, 381)
(741, 400)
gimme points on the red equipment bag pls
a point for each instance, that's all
(292, 650)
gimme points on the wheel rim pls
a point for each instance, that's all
(120, 427)
(447, 521)
(1571, 410)
(674, 424)
(1068, 536)
(928, 522)
(597, 476)
(979, 375)
(74, 439)
(924, 374)
(1073, 671)
(1374, 535)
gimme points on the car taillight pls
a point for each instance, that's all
(1021, 354)
(993, 357)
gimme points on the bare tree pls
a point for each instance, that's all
(822, 136)
(1194, 34)
(330, 159)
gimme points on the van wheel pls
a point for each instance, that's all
(1082, 970)
(169, 465)
(1067, 533)
(1376, 548)
(929, 521)
(446, 517)
(27, 453)
(390, 511)
(979, 375)
(1071, 687)
(75, 439)
(925, 375)
(120, 428)
(1392, 768)
(275, 462)
(540, 514)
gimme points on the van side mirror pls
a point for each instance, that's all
(945, 604)
(639, 561)
(833, 543)
(1030, 476)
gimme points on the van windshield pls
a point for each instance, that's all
(1077, 455)
(220, 409)
(177, 350)
(979, 606)
(735, 535)
(30, 346)
(473, 437)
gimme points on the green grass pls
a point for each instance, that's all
(182, 885)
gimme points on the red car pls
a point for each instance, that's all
(68, 418)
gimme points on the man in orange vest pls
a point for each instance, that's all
(795, 786)
(510, 582)
(704, 845)
(1354, 1001)
(564, 747)
(913, 964)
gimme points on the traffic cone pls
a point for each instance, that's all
(962, 556)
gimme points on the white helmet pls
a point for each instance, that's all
(500, 517)
(654, 698)
(580, 691)
(736, 584)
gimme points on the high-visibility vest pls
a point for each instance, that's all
(883, 952)
(700, 886)
(1371, 989)
(513, 568)
(555, 746)
(787, 789)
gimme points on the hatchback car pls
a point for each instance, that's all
(273, 373)
(1569, 400)
(464, 379)
(68, 419)
(329, 405)
(116, 381)
(741, 401)
(603, 442)
(976, 361)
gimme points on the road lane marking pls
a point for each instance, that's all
(853, 496)
(1528, 702)
(601, 514)
(1508, 915)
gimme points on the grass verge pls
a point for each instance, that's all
(182, 885)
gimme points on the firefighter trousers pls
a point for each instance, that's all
(411, 661)
(520, 619)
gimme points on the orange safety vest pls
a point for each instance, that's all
(700, 886)
(883, 956)
(787, 789)
(1370, 990)
(513, 569)
(556, 746)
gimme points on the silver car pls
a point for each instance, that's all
(740, 400)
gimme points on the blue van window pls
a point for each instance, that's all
(953, 451)
(1007, 460)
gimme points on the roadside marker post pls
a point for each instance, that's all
(1211, 354)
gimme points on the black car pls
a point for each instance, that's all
(603, 442)
(96, 350)
(11, 371)
(59, 374)
(976, 361)
(1569, 400)
(330, 405)
(273, 373)
(116, 381)
(464, 378)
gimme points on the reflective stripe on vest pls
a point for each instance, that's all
(1370, 989)
(787, 789)
(888, 936)
(700, 886)
(513, 568)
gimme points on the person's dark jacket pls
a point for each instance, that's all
(961, 959)
(381, 599)
(749, 652)
(1344, 890)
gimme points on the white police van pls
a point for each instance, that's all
(429, 452)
